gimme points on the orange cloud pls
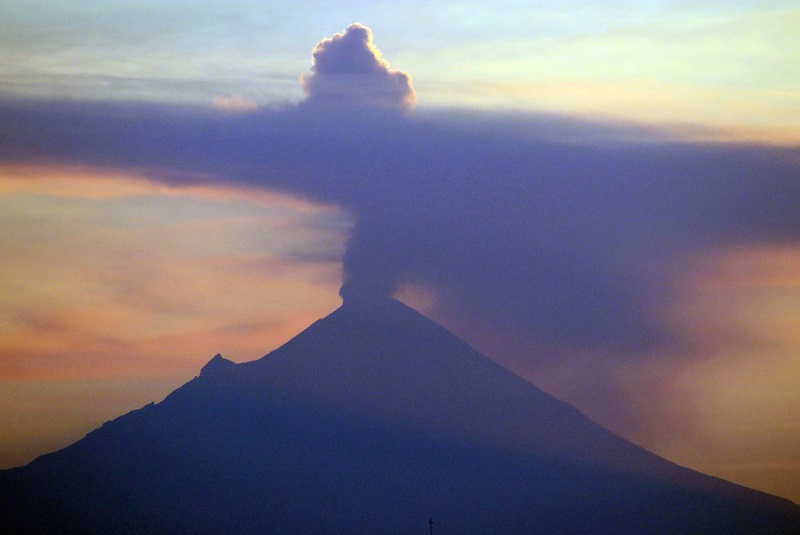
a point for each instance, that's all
(737, 307)
(757, 266)
(117, 289)
(103, 279)
(87, 182)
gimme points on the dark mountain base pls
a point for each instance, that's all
(217, 459)
(370, 421)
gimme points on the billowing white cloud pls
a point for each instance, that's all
(348, 70)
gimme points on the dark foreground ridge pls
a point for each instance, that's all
(371, 420)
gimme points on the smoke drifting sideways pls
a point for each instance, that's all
(560, 228)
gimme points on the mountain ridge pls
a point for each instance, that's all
(371, 419)
(391, 315)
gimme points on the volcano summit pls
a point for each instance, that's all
(371, 420)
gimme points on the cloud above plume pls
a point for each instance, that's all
(348, 70)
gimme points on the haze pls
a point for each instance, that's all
(602, 198)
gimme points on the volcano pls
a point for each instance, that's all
(373, 420)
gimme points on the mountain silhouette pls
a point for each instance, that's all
(371, 420)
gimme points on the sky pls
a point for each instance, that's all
(601, 196)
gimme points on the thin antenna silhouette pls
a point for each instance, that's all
(430, 524)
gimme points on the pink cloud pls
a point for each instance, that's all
(234, 104)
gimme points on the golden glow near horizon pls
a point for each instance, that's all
(108, 279)
(117, 271)
(739, 308)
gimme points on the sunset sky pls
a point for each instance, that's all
(602, 196)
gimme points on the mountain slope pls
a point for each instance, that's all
(370, 421)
